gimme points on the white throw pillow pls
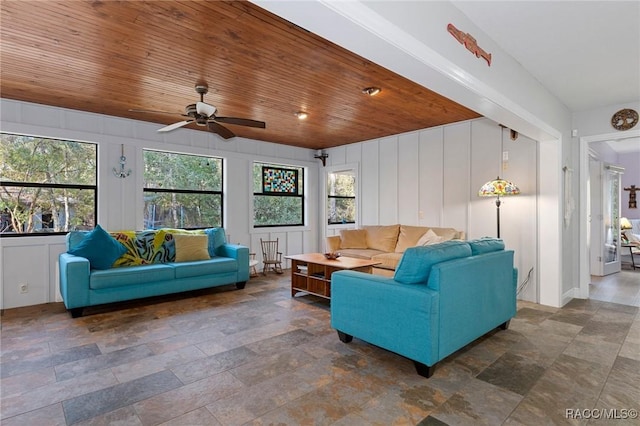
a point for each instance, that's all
(633, 238)
(429, 238)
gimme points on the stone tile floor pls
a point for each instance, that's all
(256, 356)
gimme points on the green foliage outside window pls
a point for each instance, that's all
(341, 197)
(182, 191)
(286, 209)
(48, 185)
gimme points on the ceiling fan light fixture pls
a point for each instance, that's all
(371, 91)
(301, 115)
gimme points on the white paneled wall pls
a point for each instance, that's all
(432, 177)
(427, 178)
(408, 181)
(370, 190)
(33, 260)
(457, 145)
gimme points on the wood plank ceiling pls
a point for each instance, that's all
(109, 57)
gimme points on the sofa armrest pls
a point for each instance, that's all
(240, 254)
(74, 280)
(477, 294)
(333, 243)
(402, 318)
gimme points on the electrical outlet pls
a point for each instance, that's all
(24, 288)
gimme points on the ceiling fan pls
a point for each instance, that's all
(204, 114)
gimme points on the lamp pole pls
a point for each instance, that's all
(498, 202)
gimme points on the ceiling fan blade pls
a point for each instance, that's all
(205, 109)
(221, 130)
(152, 111)
(174, 126)
(241, 122)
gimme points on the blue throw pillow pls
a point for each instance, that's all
(416, 262)
(100, 248)
(486, 245)
(217, 238)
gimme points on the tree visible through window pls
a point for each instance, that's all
(182, 191)
(48, 185)
(278, 195)
(341, 197)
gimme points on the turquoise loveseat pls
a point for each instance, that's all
(441, 298)
(130, 265)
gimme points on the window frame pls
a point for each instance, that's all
(302, 191)
(343, 197)
(220, 192)
(19, 184)
(354, 167)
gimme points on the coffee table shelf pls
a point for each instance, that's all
(311, 272)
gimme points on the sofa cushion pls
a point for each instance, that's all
(416, 263)
(131, 275)
(387, 260)
(382, 237)
(100, 248)
(360, 253)
(353, 239)
(191, 247)
(485, 245)
(429, 238)
(409, 236)
(217, 265)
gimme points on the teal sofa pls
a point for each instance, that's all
(441, 298)
(144, 264)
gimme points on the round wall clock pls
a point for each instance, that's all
(624, 119)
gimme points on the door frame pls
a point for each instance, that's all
(583, 247)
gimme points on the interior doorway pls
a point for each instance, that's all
(584, 207)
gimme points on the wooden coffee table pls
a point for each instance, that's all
(311, 272)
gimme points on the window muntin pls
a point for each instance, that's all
(182, 190)
(48, 186)
(278, 195)
(341, 197)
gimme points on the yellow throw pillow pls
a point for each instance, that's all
(191, 247)
(353, 239)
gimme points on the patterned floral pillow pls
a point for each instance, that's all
(145, 247)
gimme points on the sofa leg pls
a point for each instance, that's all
(241, 285)
(75, 312)
(423, 369)
(504, 325)
(344, 338)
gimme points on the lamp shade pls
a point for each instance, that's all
(498, 188)
(624, 223)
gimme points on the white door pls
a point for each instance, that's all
(605, 217)
(611, 179)
(595, 217)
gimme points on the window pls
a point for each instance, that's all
(278, 195)
(48, 185)
(182, 191)
(341, 197)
